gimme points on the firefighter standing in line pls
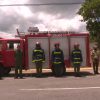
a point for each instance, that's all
(76, 58)
(57, 59)
(18, 62)
(38, 57)
(95, 59)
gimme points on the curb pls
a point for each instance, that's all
(49, 70)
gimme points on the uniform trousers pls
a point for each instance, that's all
(95, 66)
(18, 71)
(39, 68)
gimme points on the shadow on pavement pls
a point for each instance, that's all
(49, 74)
(81, 74)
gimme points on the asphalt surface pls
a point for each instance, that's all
(48, 87)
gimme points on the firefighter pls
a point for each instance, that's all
(76, 58)
(57, 59)
(95, 54)
(38, 57)
(18, 62)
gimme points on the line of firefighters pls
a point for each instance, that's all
(57, 60)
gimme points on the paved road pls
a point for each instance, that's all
(49, 87)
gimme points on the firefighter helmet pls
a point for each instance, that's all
(37, 44)
(76, 44)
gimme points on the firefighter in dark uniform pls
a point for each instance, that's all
(57, 59)
(76, 58)
(95, 54)
(38, 57)
(18, 62)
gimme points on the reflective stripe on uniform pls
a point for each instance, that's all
(33, 61)
(77, 62)
(57, 62)
(37, 60)
(38, 51)
(57, 52)
(77, 58)
(76, 52)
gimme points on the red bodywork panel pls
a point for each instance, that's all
(8, 57)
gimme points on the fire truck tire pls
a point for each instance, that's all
(6, 71)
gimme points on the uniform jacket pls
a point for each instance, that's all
(76, 56)
(18, 57)
(38, 55)
(57, 56)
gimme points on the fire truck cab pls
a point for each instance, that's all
(7, 49)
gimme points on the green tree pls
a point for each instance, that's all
(90, 11)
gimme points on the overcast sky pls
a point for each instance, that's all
(47, 18)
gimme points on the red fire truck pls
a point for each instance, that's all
(47, 40)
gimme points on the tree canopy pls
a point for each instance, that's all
(90, 11)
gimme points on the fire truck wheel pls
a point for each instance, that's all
(6, 71)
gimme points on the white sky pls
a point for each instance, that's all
(47, 18)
